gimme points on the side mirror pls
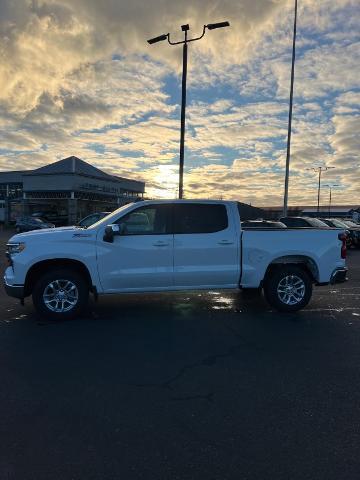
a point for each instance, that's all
(111, 231)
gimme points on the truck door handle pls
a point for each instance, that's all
(225, 242)
(161, 244)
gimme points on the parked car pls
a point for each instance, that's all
(350, 223)
(92, 218)
(26, 224)
(262, 224)
(51, 216)
(309, 222)
(354, 229)
(183, 245)
(335, 223)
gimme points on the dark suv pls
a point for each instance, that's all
(309, 222)
(262, 224)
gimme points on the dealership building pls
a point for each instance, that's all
(70, 187)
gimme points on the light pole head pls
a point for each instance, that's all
(160, 38)
(185, 28)
(212, 26)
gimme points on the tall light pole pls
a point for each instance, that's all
(330, 188)
(185, 29)
(287, 168)
(319, 170)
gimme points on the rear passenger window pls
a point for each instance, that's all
(199, 218)
(290, 222)
(294, 222)
(300, 223)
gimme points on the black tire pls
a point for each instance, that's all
(76, 298)
(288, 300)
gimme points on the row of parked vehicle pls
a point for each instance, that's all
(352, 229)
(34, 222)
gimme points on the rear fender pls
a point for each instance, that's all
(306, 262)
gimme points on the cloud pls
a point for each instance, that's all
(79, 78)
(44, 42)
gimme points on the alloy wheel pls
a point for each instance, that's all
(291, 289)
(60, 295)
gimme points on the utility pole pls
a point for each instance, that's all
(330, 188)
(185, 29)
(287, 168)
(319, 169)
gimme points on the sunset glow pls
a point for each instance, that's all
(78, 78)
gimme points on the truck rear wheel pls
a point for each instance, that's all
(60, 294)
(288, 288)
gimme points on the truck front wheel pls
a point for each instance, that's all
(288, 288)
(60, 294)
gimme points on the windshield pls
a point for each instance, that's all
(90, 220)
(338, 223)
(315, 222)
(124, 207)
(351, 224)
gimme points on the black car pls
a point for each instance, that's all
(51, 216)
(92, 218)
(25, 224)
(335, 223)
(309, 222)
(262, 224)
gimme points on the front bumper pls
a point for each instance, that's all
(16, 291)
(339, 275)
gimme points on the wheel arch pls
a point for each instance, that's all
(305, 262)
(43, 266)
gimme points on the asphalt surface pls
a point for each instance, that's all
(212, 386)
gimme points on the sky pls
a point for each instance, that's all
(79, 78)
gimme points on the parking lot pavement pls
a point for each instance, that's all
(183, 386)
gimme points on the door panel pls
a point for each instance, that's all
(205, 259)
(141, 258)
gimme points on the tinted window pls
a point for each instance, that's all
(294, 222)
(199, 218)
(339, 224)
(149, 220)
(329, 223)
(315, 222)
(256, 224)
(299, 222)
(350, 223)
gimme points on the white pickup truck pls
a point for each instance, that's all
(158, 246)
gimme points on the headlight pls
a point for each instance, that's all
(15, 248)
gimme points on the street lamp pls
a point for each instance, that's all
(330, 188)
(160, 38)
(319, 169)
(287, 168)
